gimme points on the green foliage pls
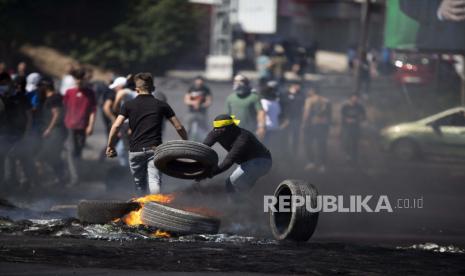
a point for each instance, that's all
(149, 38)
(115, 34)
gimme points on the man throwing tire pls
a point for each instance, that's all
(244, 149)
(146, 115)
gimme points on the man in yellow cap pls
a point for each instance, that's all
(244, 149)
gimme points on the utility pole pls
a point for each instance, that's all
(220, 61)
(363, 39)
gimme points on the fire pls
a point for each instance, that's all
(161, 234)
(156, 197)
(133, 218)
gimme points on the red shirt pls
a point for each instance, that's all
(79, 104)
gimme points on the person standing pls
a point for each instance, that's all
(272, 108)
(53, 129)
(263, 65)
(292, 105)
(352, 114)
(198, 99)
(80, 105)
(315, 126)
(146, 115)
(253, 158)
(246, 106)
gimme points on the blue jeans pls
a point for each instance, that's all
(247, 173)
(147, 177)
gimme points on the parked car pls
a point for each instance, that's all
(440, 134)
(413, 69)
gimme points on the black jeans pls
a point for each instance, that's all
(317, 135)
(350, 140)
(78, 137)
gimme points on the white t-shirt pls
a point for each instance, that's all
(272, 110)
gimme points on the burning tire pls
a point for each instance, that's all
(178, 221)
(104, 211)
(297, 225)
(185, 159)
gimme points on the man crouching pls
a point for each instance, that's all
(146, 115)
(244, 149)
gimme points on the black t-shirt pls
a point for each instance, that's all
(109, 94)
(198, 94)
(352, 114)
(241, 144)
(292, 106)
(146, 116)
(54, 101)
(15, 115)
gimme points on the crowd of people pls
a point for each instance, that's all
(44, 128)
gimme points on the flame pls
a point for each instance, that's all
(161, 198)
(133, 218)
(161, 234)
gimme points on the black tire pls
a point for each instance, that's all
(405, 150)
(178, 221)
(298, 225)
(185, 159)
(104, 211)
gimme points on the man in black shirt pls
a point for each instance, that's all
(146, 115)
(244, 149)
(292, 105)
(198, 99)
(352, 114)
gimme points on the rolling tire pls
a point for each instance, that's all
(405, 150)
(178, 221)
(297, 225)
(104, 211)
(185, 159)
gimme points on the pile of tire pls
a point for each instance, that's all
(104, 211)
(178, 221)
(153, 214)
(185, 159)
(300, 223)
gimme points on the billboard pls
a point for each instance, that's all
(257, 16)
(428, 25)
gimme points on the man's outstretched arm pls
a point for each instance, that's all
(111, 152)
(179, 127)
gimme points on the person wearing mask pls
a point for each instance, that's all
(145, 114)
(272, 109)
(352, 114)
(198, 99)
(292, 105)
(246, 106)
(316, 121)
(244, 149)
(53, 129)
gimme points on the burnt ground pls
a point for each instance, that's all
(343, 243)
(286, 258)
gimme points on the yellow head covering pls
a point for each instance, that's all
(227, 122)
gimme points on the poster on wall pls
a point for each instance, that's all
(428, 25)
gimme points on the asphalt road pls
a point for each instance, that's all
(342, 243)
